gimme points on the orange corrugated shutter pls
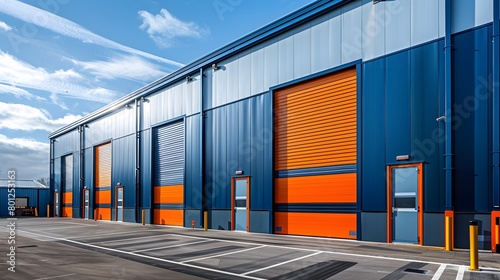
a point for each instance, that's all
(315, 123)
(103, 181)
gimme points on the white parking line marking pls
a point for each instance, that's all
(282, 263)
(461, 272)
(152, 258)
(171, 246)
(439, 272)
(128, 239)
(225, 254)
(55, 277)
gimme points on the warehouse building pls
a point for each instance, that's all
(23, 198)
(367, 120)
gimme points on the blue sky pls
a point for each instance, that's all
(63, 59)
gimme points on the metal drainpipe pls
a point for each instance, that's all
(203, 207)
(448, 106)
(51, 179)
(81, 131)
(138, 105)
(495, 100)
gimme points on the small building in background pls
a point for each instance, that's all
(25, 196)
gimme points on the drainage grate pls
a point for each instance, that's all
(417, 271)
(27, 246)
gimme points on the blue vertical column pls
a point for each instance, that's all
(495, 100)
(448, 107)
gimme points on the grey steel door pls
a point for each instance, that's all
(56, 204)
(119, 204)
(86, 203)
(240, 204)
(405, 204)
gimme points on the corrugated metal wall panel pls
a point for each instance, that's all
(424, 29)
(146, 169)
(123, 169)
(425, 67)
(168, 174)
(397, 25)
(257, 72)
(467, 14)
(374, 35)
(373, 177)
(320, 45)
(397, 106)
(351, 24)
(193, 189)
(302, 51)
(315, 125)
(67, 143)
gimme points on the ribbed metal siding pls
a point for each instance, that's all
(168, 145)
(316, 123)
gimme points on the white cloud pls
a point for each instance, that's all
(18, 73)
(163, 27)
(128, 67)
(27, 118)
(5, 26)
(28, 157)
(68, 28)
(19, 92)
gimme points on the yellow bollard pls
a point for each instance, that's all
(448, 240)
(205, 220)
(95, 215)
(48, 211)
(474, 254)
(143, 217)
(36, 211)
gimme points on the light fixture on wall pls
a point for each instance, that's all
(189, 79)
(144, 100)
(86, 126)
(215, 67)
(128, 106)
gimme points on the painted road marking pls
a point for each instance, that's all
(150, 257)
(461, 272)
(171, 246)
(128, 239)
(225, 254)
(439, 272)
(282, 263)
(55, 277)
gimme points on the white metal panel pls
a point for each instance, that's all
(398, 25)
(146, 113)
(335, 41)
(441, 18)
(320, 44)
(257, 74)
(178, 100)
(484, 12)
(285, 62)
(302, 53)
(351, 33)
(462, 15)
(424, 21)
(271, 65)
(373, 33)
(245, 76)
(233, 80)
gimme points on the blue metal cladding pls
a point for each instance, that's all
(238, 137)
(397, 106)
(145, 169)
(471, 122)
(427, 134)
(67, 143)
(193, 190)
(76, 185)
(373, 173)
(123, 169)
(43, 201)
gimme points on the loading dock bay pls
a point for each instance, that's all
(60, 248)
